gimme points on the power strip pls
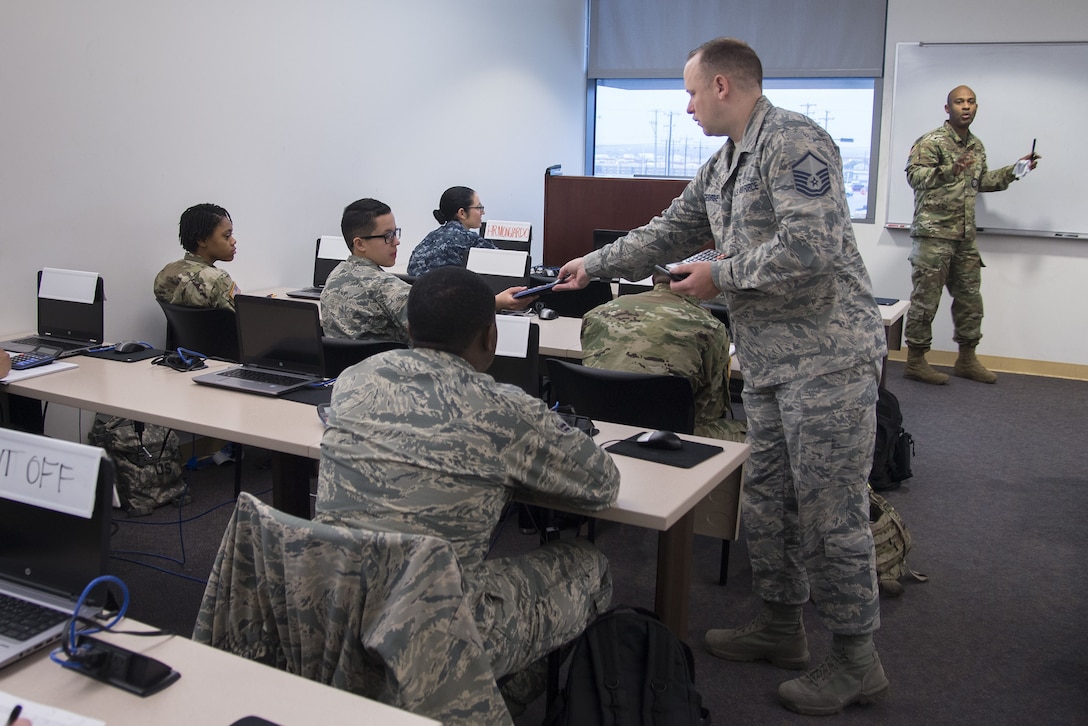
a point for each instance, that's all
(132, 672)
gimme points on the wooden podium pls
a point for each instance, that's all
(574, 206)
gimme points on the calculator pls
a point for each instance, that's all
(21, 361)
(704, 256)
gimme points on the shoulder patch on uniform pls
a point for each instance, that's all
(811, 176)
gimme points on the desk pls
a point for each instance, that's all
(160, 395)
(216, 687)
(670, 500)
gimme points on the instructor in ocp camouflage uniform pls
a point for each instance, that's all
(811, 340)
(947, 170)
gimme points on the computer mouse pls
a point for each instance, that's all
(130, 346)
(547, 314)
(660, 440)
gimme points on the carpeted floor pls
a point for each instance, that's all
(996, 510)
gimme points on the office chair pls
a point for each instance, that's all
(406, 277)
(343, 352)
(380, 614)
(212, 332)
(576, 303)
(521, 372)
(650, 400)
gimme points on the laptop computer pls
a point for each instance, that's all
(47, 558)
(500, 269)
(67, 323)
(279, 345)
(329, 253)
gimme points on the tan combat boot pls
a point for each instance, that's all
(851, 674)
(777, 634)
(918, 369)
(967, 366)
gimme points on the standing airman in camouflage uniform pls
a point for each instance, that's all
(661, 331)
(947, 170)
(806, 326)
(360, 299)
(421, 441)
(207, 234)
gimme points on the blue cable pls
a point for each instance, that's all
(69, 648)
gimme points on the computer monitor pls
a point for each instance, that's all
(602, 237)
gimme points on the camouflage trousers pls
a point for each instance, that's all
(528, 605)
(940, 263)
(806, 506)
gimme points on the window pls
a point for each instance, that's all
(641, 128)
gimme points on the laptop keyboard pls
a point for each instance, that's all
(261, 377)
(22, 620)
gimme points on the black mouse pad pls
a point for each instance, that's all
(312, 396)
(125, 357)
(692, 454)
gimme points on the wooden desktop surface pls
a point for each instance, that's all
(215, 687)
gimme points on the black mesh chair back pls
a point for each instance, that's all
(343, 352)
(576, 303)
(651, 400)
(212, 332)
(521, 372)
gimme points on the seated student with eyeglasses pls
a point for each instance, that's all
(459, 212)
(360, 299)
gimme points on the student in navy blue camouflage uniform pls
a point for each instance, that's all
(810, 335)
(459, 212)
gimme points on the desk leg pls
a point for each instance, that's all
(291, 484)
(674, 555)
(893, 334)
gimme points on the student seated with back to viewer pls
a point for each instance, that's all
(360, 299)
(666, 332)
(459, 212)
(422, 441)
(207, 234)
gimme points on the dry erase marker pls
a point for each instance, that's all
(1032, 157)
(14, 714)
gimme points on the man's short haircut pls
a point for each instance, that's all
(358, 219)
(453, 200)
(733, 59)
(448, 307)
(198, 223)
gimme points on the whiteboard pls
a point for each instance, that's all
(1025, 91)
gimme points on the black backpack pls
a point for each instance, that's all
(628, 669)
(894, 446)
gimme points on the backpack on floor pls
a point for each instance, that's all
(894, 446)
(892, 542)
(147, 459)
(628, 669)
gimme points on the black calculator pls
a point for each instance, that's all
(21, 361)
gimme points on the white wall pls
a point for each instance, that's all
(1030, 284)
(119, 114)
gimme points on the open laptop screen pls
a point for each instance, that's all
(67, 319)
(54, 551)
(281, 334)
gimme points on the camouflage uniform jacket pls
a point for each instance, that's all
(445, 247)
(194, 282)
(661, 331)
(361, 300)
(356, 610)
(419, 442)
(799, 296)
(944, 204)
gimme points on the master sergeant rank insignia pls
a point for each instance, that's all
(811, 176)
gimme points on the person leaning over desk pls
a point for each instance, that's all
(806, 325)
(360, 299)
(947, 170)
(207, 234)
(459, 212)
(422, 441)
